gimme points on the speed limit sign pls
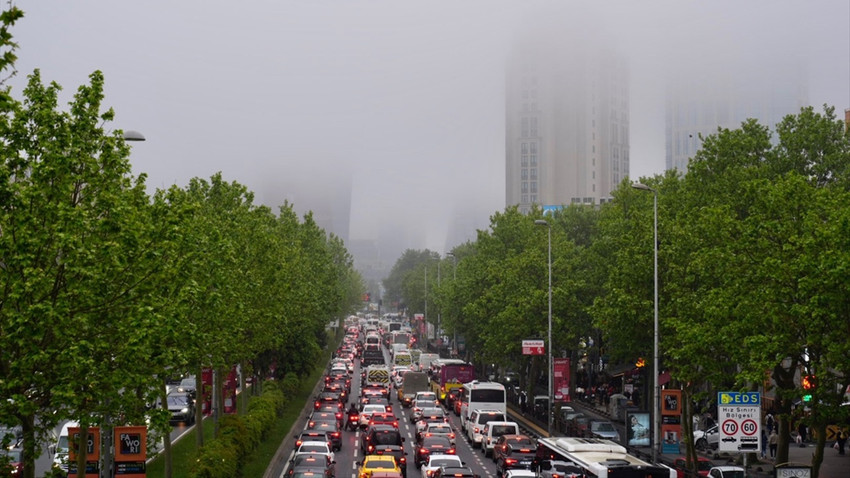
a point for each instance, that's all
(740, 421)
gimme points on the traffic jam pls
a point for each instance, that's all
(389, 410)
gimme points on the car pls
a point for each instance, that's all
(454, 472)
(684, 470)
(187, 385)
(425, 396)
(516, 441)
(331, 429)
(520, 473)
(311, 464)
(492, 431)
(322, 416)
(559, 469)
(383, 419)
(373, 464)
(367, 411)
(432, 445)
(451, 396)
(12, 456)
(326, 397)
(437, 428)
(317, 447)
(515, 456)
(419, 405)
(726, 472)
(604, 429)
(707, 439)
(384, 440)
(579, 426)
(430, 415)
(434, 462)
(312, 435)
(182, 407)
(377, 400)
(477, 419)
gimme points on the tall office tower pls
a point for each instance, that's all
(699, 102)
(567, 123)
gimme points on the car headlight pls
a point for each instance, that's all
(184, 410)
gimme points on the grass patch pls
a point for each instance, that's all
(185, 450)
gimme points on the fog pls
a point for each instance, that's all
(387, 117)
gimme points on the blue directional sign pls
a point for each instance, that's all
(739, 398)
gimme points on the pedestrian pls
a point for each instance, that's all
(772, 442)
(763, 442)
(801, 432)
(769, 421)
(842, 440)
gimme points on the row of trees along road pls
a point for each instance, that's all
(106, 291)
(754, 254)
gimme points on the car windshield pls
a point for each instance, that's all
(305, 460)
(381, 464)
(388, 438)
(179, 400)
(443, 462)
(308, 448)
(603, 427)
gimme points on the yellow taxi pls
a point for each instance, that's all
(377, 464)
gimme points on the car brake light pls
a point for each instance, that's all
(403, 460)
(451, 451)
(510, 461)
(476, 430)
(298, 443)
(370, 448)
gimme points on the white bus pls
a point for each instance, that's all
(477, 395)
(599, 458)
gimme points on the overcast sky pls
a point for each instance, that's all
(400, 101)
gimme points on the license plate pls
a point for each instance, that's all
(525, 462)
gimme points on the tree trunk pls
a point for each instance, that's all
(200, 398)
(28, 428)
(166, 449)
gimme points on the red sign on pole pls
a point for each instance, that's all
(561, 379)
(533, 347)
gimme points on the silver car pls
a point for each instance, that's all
(707, 439)
(604, 429)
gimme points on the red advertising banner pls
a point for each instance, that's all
(228, 391)
(561, 379)
(204, 393)
(92, 452)
(130, 451)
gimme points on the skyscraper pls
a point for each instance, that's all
(567, 124)
(699, 102)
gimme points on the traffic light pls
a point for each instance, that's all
(808, 382)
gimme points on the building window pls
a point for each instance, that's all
(533, 148)
(534, 126)
(533, 160)
(524, 199)
(524, 160)
(524, 148)
(533, 198)
(534, 174)
(524, 187)
(534, 187)
(524, 174)
(525, 127)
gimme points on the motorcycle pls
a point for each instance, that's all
(353, 421)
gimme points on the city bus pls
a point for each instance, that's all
(477, 395)
(599, 458)
(449, 373)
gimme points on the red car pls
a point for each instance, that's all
(683, 470)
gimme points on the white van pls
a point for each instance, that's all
(60, 449)
(492, 431)
(475, 425)
(425, 361)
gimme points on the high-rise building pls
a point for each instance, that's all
(567, 124)
(698, 103)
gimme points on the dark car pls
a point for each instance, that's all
(305, 463)
(452, 395)
(454, 472)
(327, 397)
(383, 419)
(433, 445)
(332, 430)
(516, 441)
(515, 456)
(384, 440)
(322, 416)
(182, 407)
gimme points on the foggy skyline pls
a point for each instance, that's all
(400, 103)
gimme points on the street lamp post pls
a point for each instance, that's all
(437, 334)
(454, 326)
(543, 222)
(656, 397)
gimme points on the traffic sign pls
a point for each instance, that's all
(533, 347)
(739, 415)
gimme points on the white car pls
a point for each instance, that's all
(430, 415)
(726, 472)
(368, 410)
(707, 439)
(519, 473)
(605, 430)
(317, 447)
(438, 461)
(398, 375)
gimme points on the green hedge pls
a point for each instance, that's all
(223, 456)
